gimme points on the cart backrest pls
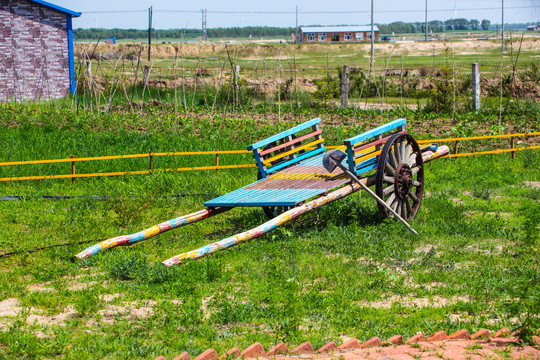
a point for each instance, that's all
(288, 147)
(363, 150)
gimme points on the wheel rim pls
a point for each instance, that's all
(400, 176)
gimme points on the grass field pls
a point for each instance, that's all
(337, 272)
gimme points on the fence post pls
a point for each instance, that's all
(476, 86)
(73, 169)
(345, 86)
(151, 161)
(217, 160)
(513, 146)
(456, 147)
(146, 72)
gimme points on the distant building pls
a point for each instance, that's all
(533, 28)
(337, 33)
(36, 50)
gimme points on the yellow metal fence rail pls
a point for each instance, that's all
(150, 155)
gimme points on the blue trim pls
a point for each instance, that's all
(260, 165)
(301, 157)
(366, 168)
(374, 132)
(266, 197)
(350, 158)
(71, 56)
(55, 8)
(281, 135)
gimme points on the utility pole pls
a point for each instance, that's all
(502, 26)
(372, 35)
(426, 21)
(149, 31)
(204, 33)
(296, 33)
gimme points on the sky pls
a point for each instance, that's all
(166, 15)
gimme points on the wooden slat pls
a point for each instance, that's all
(301, 157)
(377, 131)
(294, 141)
(367, 157)
(375, 142)
(281, 155)
(283, 134)
(258, 160)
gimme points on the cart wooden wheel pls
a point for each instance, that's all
(400, 176)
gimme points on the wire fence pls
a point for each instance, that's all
(234, 77)
(150, 155)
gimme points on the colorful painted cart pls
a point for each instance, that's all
(293, 181)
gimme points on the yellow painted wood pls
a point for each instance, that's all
(367, 157)
(303, 147)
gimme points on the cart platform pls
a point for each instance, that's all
(288, 187)
(290, 166)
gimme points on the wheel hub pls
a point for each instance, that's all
(403, 181)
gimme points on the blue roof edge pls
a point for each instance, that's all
(56, 7)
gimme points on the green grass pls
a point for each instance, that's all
(329, 273)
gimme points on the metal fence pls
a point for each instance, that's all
(150, 155)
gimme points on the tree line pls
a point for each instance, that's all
(132, 34)
(436, 26)
(255, 32)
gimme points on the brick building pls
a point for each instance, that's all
(36, 50)
(337, 33)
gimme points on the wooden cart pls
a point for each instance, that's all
(293, 181)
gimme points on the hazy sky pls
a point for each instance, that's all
(134, 13)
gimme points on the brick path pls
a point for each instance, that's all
(461, 345)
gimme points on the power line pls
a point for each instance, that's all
(307, 12)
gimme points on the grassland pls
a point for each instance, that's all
(338, 272)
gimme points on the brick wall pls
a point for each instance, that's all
(33, 52)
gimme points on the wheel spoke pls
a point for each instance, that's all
(388, 190)
(408, 151)
(393, 160)
(397, 151)
(399, 206)
(409, 207)
(415, 169)
(391, 199)
(413, 196)
(403, 147)
(404, 209)
(412, 159)
(390, 169)
(388, 179)
(393, 206)
(416, 183)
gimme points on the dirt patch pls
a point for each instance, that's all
(533, 184)
(436, 301)
(42, 287)
(10, 307)
(109, 297)
(424, 249)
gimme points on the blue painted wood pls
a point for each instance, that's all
(283, 134)
(350, 158)
(258, 160)
(374, 132)
(295, 160)
(366, 168)
(265, 197)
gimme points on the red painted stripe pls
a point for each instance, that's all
(294, 141)
(376, 142)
